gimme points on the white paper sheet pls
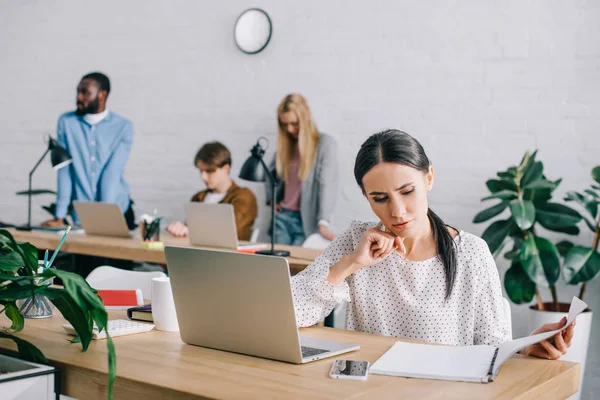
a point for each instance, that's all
(458, 363)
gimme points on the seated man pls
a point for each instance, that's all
(99, 142)
(214, 162)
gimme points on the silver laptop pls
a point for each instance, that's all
(241, 303)
(211, 225)
(105, 219)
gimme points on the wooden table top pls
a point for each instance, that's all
(131, 248)
(158, 365)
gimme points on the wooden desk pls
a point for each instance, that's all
(130, 249)
(157, 365)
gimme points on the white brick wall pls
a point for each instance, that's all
(477, 82)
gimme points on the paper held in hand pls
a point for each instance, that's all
(479, 363)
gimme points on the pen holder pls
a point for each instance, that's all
(150, 231)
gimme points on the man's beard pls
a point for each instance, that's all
(92, 108)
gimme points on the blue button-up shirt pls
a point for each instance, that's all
(99, 154)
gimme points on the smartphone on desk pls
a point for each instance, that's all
(349, 369)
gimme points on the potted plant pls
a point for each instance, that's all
(21, 278)
(535, 261)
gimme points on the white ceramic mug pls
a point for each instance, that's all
(163, 306)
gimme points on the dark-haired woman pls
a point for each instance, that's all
(409, 275)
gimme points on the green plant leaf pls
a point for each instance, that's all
(540, 260)
(495, 234)
(17, 292)
(28, 351)
(83, 296)
(79, 290)
(592, 208)
(564, 247)
(596, 187)
(538, 196)
(596, 174)
(6, 237)
(590, 203)
(523, 213)
(112, 365)
(495, 185)
(582, 264)
(507, 174)
(532, 173)
(100, 317)
(499, 249)
(503, 195)
(12, 312)
(30, 254)
(541, 184)
(491, 212)
(512, 255)
(15, 278)
(591, 225)
(72, 313)
(519, 287)
(526, 161)
(9, 240)
(554, 215)
(10, 260)
(575, 196)
(569, 230)
(592, 193)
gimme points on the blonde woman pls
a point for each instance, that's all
(306, 164)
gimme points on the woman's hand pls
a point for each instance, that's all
(375, 246)
(177, 229)
(326, 233)
(554, 348)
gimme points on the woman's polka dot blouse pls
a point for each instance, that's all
(398, 297)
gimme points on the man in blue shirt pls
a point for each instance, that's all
(99, 142)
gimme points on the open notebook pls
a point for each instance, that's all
(478, 363)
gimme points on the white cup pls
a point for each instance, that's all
(163, 306)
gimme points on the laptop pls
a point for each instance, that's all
(104, 219)
(213, 225)
(241, 303)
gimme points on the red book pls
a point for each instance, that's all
(121, 298)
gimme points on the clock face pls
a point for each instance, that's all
(252, 31)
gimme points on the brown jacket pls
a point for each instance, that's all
(244, 208)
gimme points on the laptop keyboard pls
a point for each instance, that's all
(311, 351)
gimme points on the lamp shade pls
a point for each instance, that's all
(58, 155)
(255, 170)
(252, 170)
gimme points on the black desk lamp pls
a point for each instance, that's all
(255, 170)
(59, 158)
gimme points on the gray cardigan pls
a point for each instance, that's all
(319, 190)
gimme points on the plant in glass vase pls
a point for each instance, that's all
(21, 278)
